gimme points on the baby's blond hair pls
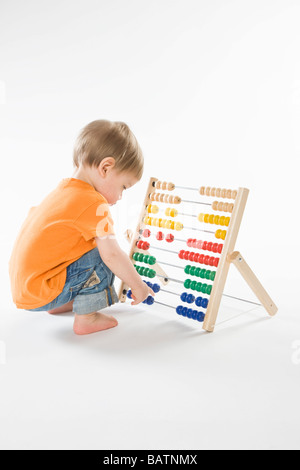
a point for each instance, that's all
(101, 139)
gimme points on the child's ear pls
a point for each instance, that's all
(106, 165)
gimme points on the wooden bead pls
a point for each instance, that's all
(170, 186)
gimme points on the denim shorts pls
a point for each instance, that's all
(89, 283)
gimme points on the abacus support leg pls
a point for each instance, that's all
(237, 259)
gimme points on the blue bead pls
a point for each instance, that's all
(184, 311)
(190, 298)
(179, 309)
(189, 312)
(198, 301)
(204, 303)
(156, 288)
(194, 314)
(129, 294)
(200, 317)
(150, 300)
(183, 296)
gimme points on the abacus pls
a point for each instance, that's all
(204, 266)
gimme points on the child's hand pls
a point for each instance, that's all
(141, 293)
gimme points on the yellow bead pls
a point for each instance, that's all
(211, 218)
(149, 208)
(167, 211)
(218, 233)
(223, 234)
(217, 220)
(164, 223)
(154, 209)
(222, 220)
(148, 220)
(201, 217)
(227, 220)
(178, 226)
(206, 218)
(168, 224)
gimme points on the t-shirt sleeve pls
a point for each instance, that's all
(95, 221)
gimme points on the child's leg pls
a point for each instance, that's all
(63, 308)
(92, 322)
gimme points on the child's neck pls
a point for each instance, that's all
(82, 174)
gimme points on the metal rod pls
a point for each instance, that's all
(169, 264)
(199, 230)
(163, 249)
(242, 300)
(169, 278)
(188, 215)
(184, 187)
(197, 202)
(165, 305)
(170, 292)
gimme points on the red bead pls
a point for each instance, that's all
(191, 256)
(145, 246)
(216, 262)
(146, 233)
(209, 246)
(139, 244)
(220, 248)
(181, 254)
(206, 260)
(169, 238)
(201, 259)
(211, 261)
(215, 247)
(196, 257)
(160, 236)
(189, 242)
(186, 255)
(204, 246)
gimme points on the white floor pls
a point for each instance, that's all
(156, 381)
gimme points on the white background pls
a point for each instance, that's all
(211, 88)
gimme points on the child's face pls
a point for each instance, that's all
(114, 183)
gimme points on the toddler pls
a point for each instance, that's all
(66, 255)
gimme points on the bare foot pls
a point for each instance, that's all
(92, 322)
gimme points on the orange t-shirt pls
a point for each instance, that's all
(55, 234)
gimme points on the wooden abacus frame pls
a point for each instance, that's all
(228, 257)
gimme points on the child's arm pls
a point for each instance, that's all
(119, 263)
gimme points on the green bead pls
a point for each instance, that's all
(146, 259)
(193, 285)
(208, 290)
(192, 270)
(187, 269)
(199, 286)
(152, 260)
(207, 274)
(197, 272)
(203, 289)
(141, 257)
(187, 283)
(152, 273)
(141, 270)
(202, 274)
(212, 275)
